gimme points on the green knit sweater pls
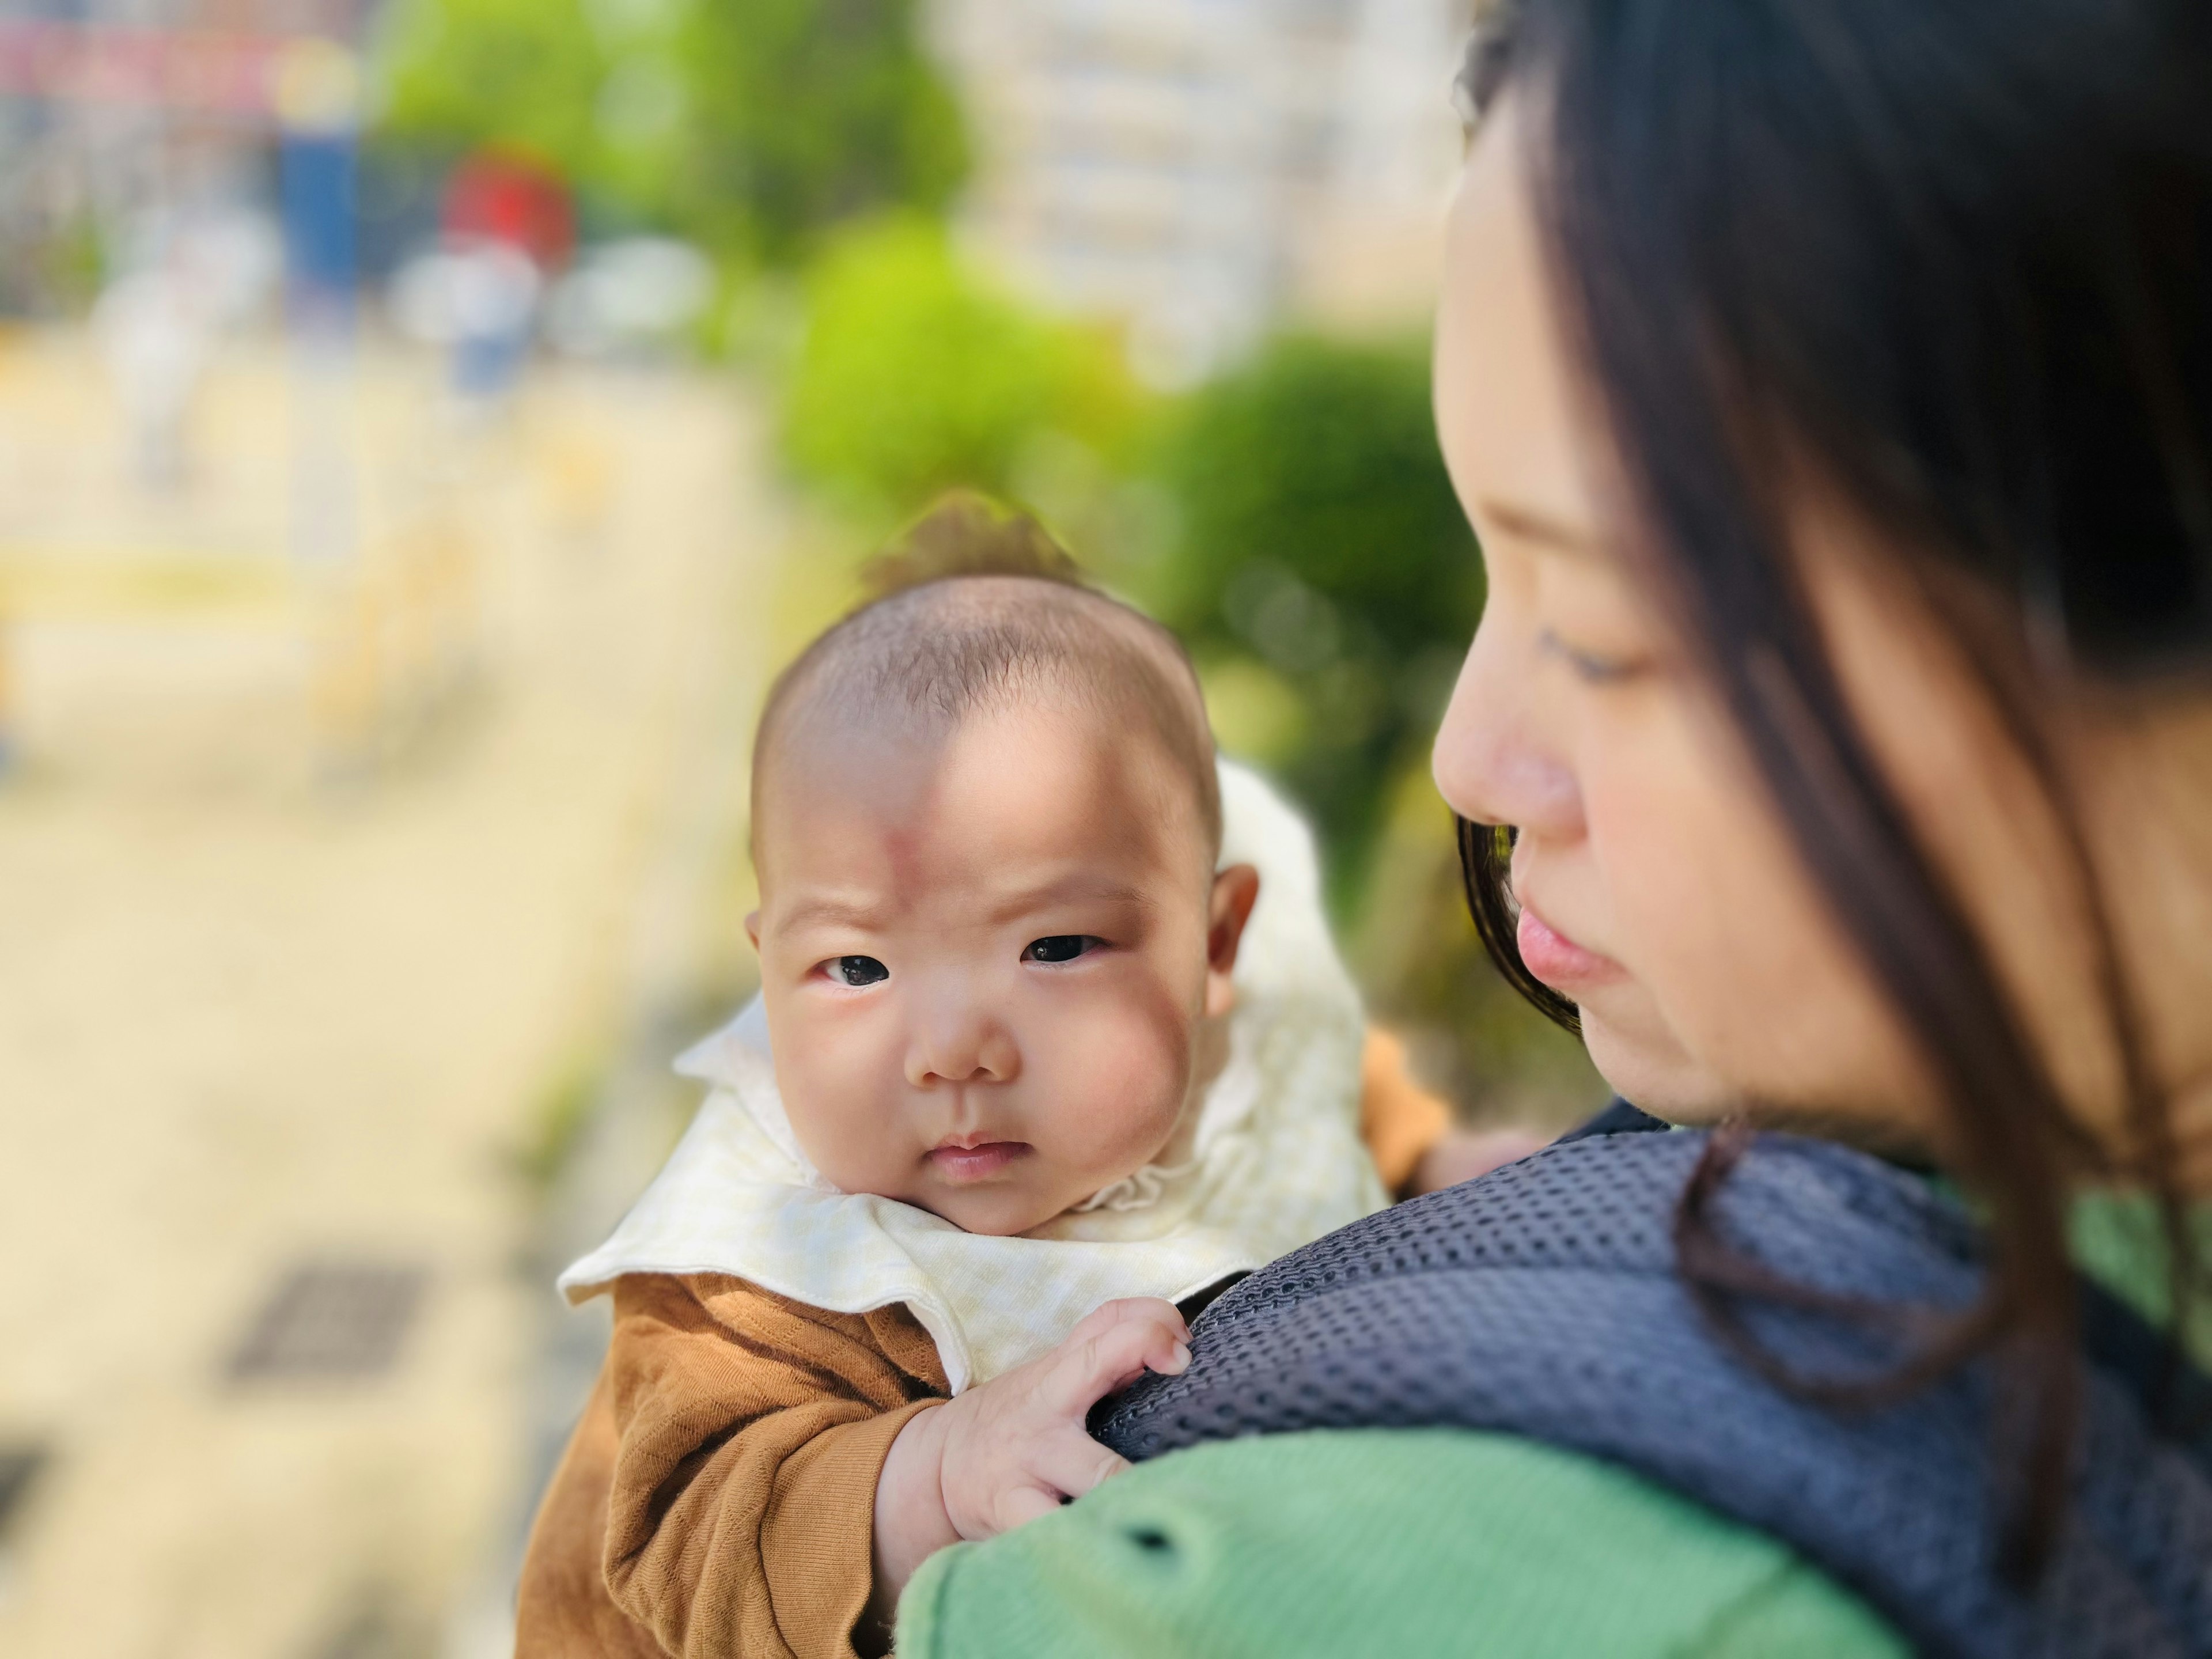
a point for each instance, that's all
(1405, 1542)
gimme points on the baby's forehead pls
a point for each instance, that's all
(955, 644)
(1014, 796)
(974, 655)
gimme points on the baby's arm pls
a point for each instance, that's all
(1015, 1447)
(1409, 1131)
(752, 1432)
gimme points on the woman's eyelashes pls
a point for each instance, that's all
(855, 970)
(1590, 667)
(1061, 947)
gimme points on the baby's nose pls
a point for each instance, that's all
(961, 1044)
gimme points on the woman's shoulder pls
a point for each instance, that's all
(1380, 1541)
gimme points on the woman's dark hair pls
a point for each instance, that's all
(1485, 867)
(1952, 260)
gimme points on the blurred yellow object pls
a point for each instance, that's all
(7, 696)
(1256, 713)
(108, 582)
(391, 637)
(394, 642)
(579, 475)
(315, 87)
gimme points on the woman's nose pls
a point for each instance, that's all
(960, 1041)
(1495, 761)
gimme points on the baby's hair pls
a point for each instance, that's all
(975, 606)
(966, 534)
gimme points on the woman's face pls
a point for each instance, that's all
(1659, 891)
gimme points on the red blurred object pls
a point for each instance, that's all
(502, 198)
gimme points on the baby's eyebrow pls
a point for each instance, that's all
(1006, 906)
(845, 912)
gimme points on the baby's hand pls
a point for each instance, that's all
(1015, 1448)
(1012, 1448)
(1463, 1154)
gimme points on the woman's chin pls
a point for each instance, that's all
(1654, 1073)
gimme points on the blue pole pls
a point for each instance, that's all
(318, 172)
(318, 88)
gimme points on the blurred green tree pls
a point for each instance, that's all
(747, 125)
(917, 375)
(1323, 570)
(520, 75)
(811, 112)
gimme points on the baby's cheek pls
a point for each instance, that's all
(1119, 1083)
(832, 1100)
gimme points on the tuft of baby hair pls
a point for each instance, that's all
(927, 640)
(966, 533)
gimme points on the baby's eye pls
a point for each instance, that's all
(856, 970)
(1061, 947)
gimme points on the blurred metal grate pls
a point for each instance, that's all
(19, 1472)
(334, 1321)
(375, 1622)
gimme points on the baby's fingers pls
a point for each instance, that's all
(1132, 1310)
(1019, 1505)
(1070, 1461)
(1089, 1368)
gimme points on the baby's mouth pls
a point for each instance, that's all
(963, 1159)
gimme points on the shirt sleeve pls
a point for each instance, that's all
(739, 1448)
(1399, 1119)
(1382, 1540)
(562, 1607)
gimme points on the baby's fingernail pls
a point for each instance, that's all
(1182, 1359)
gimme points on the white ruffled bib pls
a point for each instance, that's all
(1274, 1161)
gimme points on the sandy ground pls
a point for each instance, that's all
(259, 1007)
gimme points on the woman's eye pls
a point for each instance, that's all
(857, 970)
(1587, 665)
(1061, 947)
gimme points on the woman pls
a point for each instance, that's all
(1831, 386)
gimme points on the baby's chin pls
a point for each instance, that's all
(1000, 1213)
(1012, 1205)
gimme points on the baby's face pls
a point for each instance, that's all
(987, 954)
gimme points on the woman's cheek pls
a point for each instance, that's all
(1692, 914)
(1717, 916)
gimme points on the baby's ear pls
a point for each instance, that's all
(1236, 890)
(752, 929)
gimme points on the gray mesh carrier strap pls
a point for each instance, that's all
(1542, 1301)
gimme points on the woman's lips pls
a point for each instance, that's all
(962, 1164)
(1557, 960)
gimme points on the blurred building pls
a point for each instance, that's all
(1201, 166)
(117, 116)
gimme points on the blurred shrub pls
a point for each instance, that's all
(1326, 579)
(917, 375)
(1323, 571)
(747, 127)
(811, 112)
(519, 75)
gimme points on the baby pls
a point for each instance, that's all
(1038, 1066)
